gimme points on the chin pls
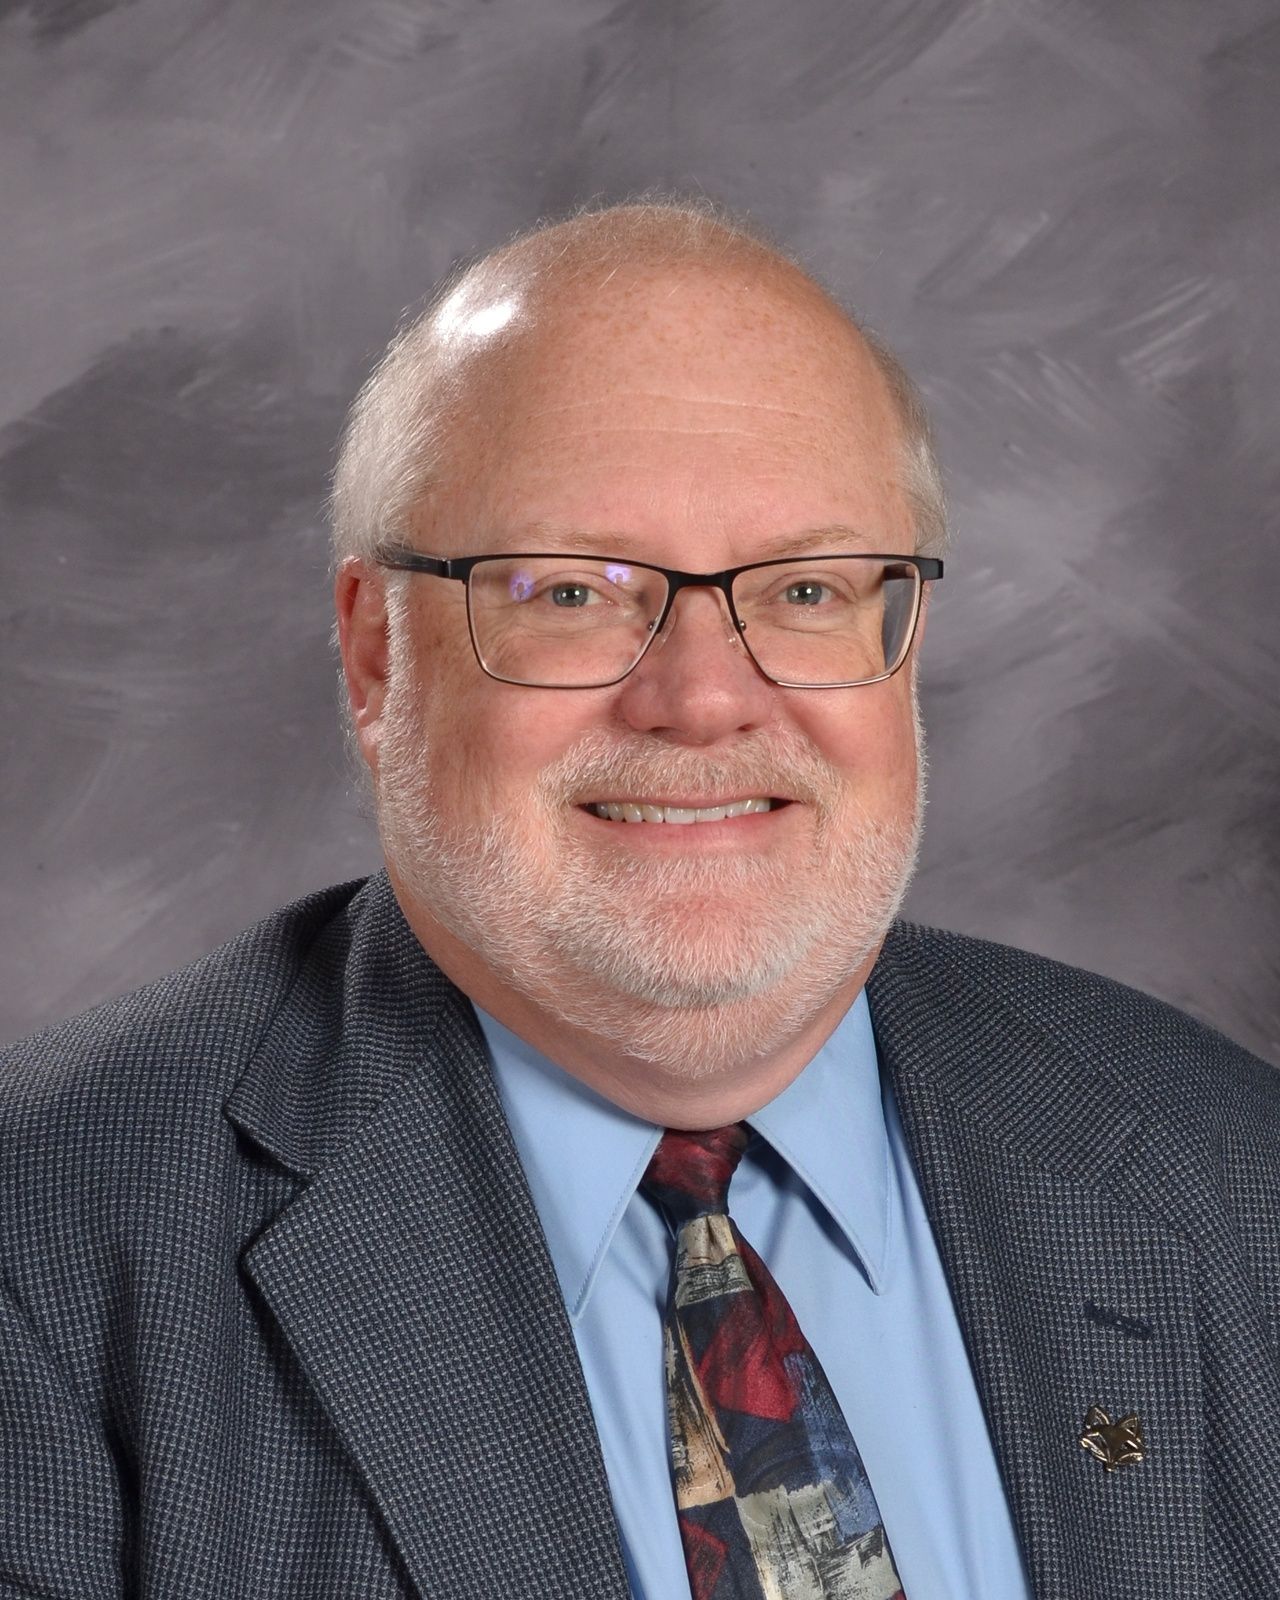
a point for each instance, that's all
(706, 952)
(679, 980)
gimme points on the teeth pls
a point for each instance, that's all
(643, 811)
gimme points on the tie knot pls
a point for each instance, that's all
(690, 1172)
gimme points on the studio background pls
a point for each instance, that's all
(1063, 215)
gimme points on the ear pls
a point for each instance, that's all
(360, 599)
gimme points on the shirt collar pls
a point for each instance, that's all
(584, 1157)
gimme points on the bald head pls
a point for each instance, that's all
(497, 333)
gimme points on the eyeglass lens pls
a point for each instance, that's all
(566, 621)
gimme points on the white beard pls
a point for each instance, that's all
(692, 963)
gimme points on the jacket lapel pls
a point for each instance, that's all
(411, 1278)
(1072, 1288)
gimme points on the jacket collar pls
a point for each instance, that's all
(348, 1033)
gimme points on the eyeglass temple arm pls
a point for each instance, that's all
(402, 560)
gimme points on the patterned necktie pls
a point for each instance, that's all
(771, 1496)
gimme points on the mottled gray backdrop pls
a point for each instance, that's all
(1063, 212)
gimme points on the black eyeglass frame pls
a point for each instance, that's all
(460, 568)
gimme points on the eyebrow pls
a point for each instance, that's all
(837, 534)
(833, 536)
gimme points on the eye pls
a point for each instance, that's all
(570, 595)
(806, 592)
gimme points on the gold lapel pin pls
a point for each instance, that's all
(1115, 1444)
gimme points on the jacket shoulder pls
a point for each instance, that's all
(1172, 1062)
(189, 1031)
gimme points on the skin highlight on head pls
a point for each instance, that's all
(685, 408)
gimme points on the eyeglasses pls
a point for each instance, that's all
(584, 622)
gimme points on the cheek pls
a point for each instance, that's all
(869, 735)
(493, 740)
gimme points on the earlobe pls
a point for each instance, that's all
(361, 604)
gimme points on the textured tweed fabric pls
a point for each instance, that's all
(277, 1318)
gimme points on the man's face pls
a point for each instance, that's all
(692, 421)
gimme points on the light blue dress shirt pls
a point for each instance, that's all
(831, 1204)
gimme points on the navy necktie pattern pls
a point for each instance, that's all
(771, 1495)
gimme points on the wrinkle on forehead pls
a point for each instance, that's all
(832, 537)
(659, 397)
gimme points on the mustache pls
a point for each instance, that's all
(601, 765)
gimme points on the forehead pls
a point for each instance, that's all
(736, 400)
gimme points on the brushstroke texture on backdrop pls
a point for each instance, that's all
(1063, 212)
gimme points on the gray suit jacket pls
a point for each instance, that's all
(277, 1318)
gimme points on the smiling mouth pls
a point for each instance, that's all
(647, 811)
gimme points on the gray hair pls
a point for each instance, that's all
(396, 431)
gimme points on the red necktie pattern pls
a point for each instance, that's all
(771, 1495)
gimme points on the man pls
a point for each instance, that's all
(353, 1260)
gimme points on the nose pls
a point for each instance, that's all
(697, 684)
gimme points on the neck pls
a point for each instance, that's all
(747, 1053)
